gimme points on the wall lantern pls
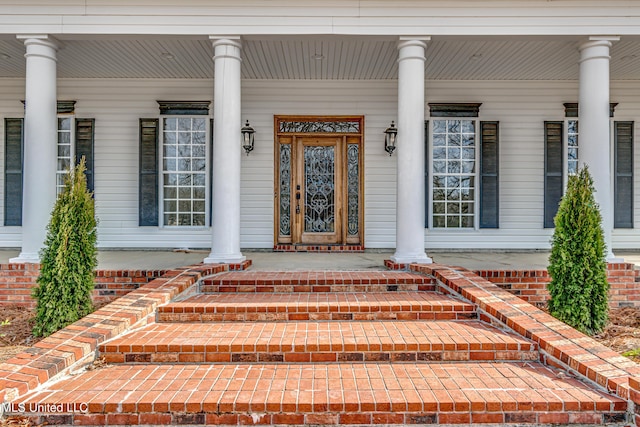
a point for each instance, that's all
(390, 138)
(247, 137)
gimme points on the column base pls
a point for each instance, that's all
(411, 259)
(26, 257)
(224, 258)
(612, 258)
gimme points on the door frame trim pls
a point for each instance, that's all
(350, 136)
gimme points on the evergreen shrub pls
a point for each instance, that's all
(68, 259)
(577, 264)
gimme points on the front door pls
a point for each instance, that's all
(318, 180)
(318, 190)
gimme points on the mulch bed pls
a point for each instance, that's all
(18, 331)
(622, 334)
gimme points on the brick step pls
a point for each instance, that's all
(316, 281)
(317, 306)
(350, 393)
(317, 342)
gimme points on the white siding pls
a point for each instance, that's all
(117, 106)
(520, 106)
(375, 100)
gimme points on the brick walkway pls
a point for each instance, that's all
(328, 394)
(329, 351)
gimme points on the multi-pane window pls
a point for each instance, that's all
(184, 171)
(454, 173)
(65, 150)
(572, 147)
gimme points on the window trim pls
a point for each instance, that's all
(454, 110)
(207, 173)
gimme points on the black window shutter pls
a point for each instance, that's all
(623, 185)
(427, 187)
(13, 162)
(489, 165)
(210, 160)
(553, 165)
(148, 197)
(84, 147)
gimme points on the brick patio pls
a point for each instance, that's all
(435, 345)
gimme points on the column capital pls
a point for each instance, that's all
(406, 41)
(40, 39)
(604, 38)
(593, 41)
(226, 40)
(40, 45)
(226, 47)
(414, 38)
(412, 48)
(596, 47)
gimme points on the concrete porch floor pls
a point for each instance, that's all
(370, 259)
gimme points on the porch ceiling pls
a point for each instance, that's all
(305, 58)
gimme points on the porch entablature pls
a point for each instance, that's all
(354, 17)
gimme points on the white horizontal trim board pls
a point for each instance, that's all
(243, 17)
(521, 107)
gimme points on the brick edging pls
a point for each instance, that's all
(531, 284)
(560, 345)
(61, 350)
(634, 395)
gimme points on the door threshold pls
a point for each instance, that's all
(318, 248)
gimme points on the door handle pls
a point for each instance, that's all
(297, 209)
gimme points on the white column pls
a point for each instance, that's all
(593, 116)
(225, 244)
(410, 212)
(40, 144)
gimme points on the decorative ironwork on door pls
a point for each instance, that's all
(285, 189)
(319, 171)
(320, 126)
(353, 189)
